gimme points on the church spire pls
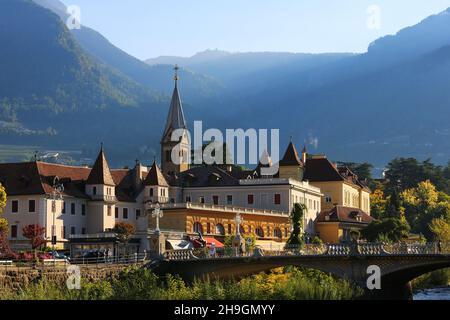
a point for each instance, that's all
(175, 119)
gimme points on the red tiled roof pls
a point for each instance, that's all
(344, 214)
(37, 178)
(321, 169)
(21, 178)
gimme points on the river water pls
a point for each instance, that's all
(433, 294)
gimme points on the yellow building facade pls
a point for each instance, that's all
(218, 221)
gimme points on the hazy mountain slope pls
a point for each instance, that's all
(41, 62)
(196, 85)
(53, 93)
(373, 106)
(233, 68)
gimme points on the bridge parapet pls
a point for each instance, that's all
(338, 250)
(179, 254)
(352, 249)
(371, 249)
(409, 249)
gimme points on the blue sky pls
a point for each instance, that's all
(150, 28)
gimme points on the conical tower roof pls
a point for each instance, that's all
(265, 160)
(155, 177)
(175, 119)
(291, 157)
(100, 173)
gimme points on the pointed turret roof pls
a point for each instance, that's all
(155, 177)
(291, 157)
(175, 119)
(100, 173)
(265, 160)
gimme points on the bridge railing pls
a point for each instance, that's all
(352, 249)
(186, 254)
(412, 249)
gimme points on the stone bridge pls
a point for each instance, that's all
(398, 264)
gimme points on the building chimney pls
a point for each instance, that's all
(137, 175)
(304, 154)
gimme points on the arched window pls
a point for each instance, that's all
(151, 192)
(220, 229)
(94, 191)
(259, 232)
(197, 228)
(277, 233)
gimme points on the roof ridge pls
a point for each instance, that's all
(61, 165)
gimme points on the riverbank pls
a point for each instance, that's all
(435, 279)
(140, 284)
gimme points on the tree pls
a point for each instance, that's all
(296, 217)
(440, 229)
(35, 233)
(407, 173)
(4, 245)
(423, 204)
(403, 173)
(391, 228)
(378, 204)
(394, 208)
(124, 231)
(2, 198)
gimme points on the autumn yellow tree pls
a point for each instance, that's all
(423, 204)
(3, 221)
(378, 204)
(4, 246)
(441, 229)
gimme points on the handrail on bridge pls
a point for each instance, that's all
(352, 249)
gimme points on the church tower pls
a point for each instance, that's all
(175, 155)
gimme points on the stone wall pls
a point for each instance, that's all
(20, 277)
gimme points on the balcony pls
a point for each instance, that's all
(151, 200)
(104, 197)
(223, 208)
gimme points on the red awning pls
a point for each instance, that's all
(210, 241)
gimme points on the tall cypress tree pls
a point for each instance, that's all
(296, 217)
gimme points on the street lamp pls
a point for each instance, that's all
(238, 220)
(58, 189)
(238, 241)
(157, 213)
